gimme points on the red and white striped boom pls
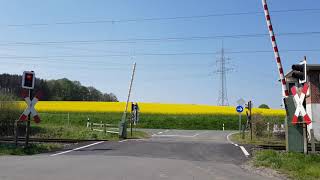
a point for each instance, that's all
(285, 91)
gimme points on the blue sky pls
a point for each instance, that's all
(161, 78)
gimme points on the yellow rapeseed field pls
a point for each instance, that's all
(157, 108)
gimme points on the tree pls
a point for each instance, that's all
(264, 106)
(55, 90)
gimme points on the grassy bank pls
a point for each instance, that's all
(10, 149)
(76, 132)
(264, 140)
(296, 165)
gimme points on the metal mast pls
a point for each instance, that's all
(222, 71)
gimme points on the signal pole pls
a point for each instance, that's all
(123, 123)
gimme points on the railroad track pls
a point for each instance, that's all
(282, 147)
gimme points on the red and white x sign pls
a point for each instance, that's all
(299, 101)
(30, 109)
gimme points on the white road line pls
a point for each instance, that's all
(160, 132)
(195, 135)
(155, 135)
(245, 152)
(82, 147)
(123, 140)
(166, 130)
(236, 144)
(228, 137)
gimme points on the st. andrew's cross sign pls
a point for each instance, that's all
(300, 110)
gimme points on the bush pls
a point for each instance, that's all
(259, 125)
(9, 112)
(264, 106)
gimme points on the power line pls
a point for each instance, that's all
(156, 54)
(133, 40)
(161, 18)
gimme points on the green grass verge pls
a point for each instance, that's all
(296, 165)
(264, 140)
(154, 121)
(77, 132)
(10, 149)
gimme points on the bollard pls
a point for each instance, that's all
(223, 127)
(88, 122)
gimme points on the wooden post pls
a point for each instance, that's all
(68, 119)
(105, 128)
(243, 131)
(16, 135)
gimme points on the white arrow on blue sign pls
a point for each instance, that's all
(239, 109)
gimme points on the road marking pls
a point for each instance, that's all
(82, 147)
(160, 132)
(229, 138)
(123, 140)
(166, 130)
(245, 152)
(164, 135)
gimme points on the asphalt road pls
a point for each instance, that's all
(169, 154)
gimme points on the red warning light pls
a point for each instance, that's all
(29, 77)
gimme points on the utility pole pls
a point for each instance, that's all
(222, 71)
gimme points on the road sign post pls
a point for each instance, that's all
(239, 109)
(297, 120)
(28, 122)
(240, 102)
(28, 82)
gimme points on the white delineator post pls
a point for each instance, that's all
(285, 91)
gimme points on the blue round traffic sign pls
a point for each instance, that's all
(239, 109)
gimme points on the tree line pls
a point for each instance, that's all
(55, 90)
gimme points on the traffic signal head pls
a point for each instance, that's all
(300, 72)
(248, 105)
(28, 79)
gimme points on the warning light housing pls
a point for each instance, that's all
(28, 80)
(300, 71)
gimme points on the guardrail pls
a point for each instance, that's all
(103, 127)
